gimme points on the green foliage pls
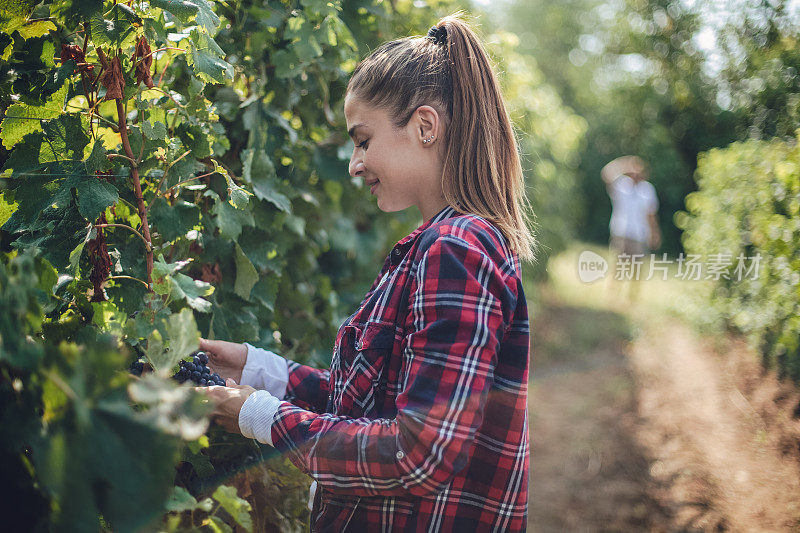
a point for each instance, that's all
(68, 411)
(757, 69)
(748, 203)
(225, 210)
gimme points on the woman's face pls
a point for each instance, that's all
(396, 165)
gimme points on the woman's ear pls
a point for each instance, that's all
(427, 124)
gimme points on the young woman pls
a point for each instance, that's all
(421, 423)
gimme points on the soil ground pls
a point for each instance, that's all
(640, 423)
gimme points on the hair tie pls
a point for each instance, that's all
(438, 34)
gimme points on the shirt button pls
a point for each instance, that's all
(400, 455)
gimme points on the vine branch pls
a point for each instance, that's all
(137, 184)
(130, 278)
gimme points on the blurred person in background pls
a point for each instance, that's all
(633, 226)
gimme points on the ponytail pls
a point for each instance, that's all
(450, 71)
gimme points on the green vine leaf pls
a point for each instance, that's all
(173, 221)
(259, 171)
(173, 409)
(94, 195)
(206, 59)
(237, 196)
(238, 508)
(265, 291)
(246, 275)
(36, 29)
(122, 22)
(167, 280)
(206, 16)
(64, 141)
(97, 159)
(13, 14)
(193, 291)
(6, 209)
(155, 351)
(75, 254)
(183, 337)
(218, 525)
(154, 131)
(21, 119)
(180, 500)
(229, 220)
(24, 157)
(187, 11)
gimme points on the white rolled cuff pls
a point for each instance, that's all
(265, 370)
(256, 416)
(312, 491)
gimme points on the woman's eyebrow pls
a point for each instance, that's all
(352, 130)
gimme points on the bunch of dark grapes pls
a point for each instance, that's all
(198, 372)
(136, 368)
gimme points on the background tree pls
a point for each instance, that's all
(633, 72)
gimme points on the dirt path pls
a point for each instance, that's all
(637, 424)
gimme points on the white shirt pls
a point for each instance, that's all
(631, 203)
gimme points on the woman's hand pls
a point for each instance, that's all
(225, 358)
(228, 401)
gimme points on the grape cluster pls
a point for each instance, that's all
(197, 371)
(136, 368)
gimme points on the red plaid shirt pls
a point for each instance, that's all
(421, 422)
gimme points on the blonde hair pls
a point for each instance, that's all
(453, 74)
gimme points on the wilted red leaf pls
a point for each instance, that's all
(101, 262)
(113, 80)
(145, 62)
(75, 52)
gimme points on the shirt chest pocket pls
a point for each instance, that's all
(363, 357)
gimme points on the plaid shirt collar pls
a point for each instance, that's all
(403, 245)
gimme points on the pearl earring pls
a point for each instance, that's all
(426, 141)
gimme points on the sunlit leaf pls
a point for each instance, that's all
(238, 508)
(184, 336)
(237, 196)
(206, 59)
(21, 119)
(112, 28)
(36, 29)
(193, 290)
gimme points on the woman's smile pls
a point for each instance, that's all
(372, 184)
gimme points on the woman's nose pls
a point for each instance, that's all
(356, 167)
